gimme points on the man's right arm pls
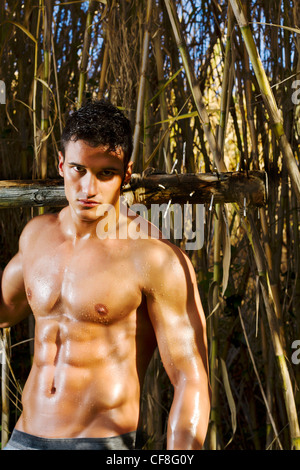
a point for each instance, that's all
(13, 300)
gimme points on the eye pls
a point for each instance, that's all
(78, 169)
(106, 173)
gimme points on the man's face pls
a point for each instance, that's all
(92, 176)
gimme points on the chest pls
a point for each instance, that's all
(87, 283)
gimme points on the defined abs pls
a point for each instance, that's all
(85, 402)
(82, 376)
(74, 362)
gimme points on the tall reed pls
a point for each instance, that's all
(142, 82)
(85, 51)
(268, 97)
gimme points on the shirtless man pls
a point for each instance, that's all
(101, 305)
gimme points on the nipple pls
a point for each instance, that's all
(29, 293)
(101, 309)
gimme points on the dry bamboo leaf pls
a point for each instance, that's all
(226, 249)
(293, 30)
(23, 29)
(55, 107)
(164, 86)
(77, 1)
(172, 120)
(213, 293)
(230, 399)
(257, 305)
(24, 104)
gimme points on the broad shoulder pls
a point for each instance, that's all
(157, 250)
(35, 228)
(164, 264)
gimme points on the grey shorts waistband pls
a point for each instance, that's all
(22, 441)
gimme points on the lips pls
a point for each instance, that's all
(88, 202)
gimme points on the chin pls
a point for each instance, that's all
(86, 215)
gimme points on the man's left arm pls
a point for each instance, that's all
(178, 319)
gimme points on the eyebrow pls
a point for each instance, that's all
(75, 164)
(82, 166)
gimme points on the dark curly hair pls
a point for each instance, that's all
(98, 123)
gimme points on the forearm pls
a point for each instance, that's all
(189, 416)
(5, 316)
(4, 309)
(12, 314)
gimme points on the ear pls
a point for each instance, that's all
(61, 161)
(128, 173)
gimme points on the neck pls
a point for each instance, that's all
(106, 225)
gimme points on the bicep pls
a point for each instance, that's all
(14, 303)
(12, 280)
(177, 316)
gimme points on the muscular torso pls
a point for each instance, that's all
(93, 337)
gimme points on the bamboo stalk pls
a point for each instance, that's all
(35, 133)
(42, 161)
(226, 89)
(272, 285)
(57, 86)
(141, 92)
(268, 97)
(263, 218)
(162, 98)
(214, 322)
(287, 388)
(194, 86)
(4, 360)
(148, 137)
(214, 430)
(249, 101)
(85, 51)
(105, 60)
(259, 381)
(103, 73)
(268, 357)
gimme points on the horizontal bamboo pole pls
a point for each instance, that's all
(199, 188)
(17, 193)
(148, 189)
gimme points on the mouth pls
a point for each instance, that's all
(88, 203)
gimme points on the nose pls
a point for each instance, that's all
(90, 185)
